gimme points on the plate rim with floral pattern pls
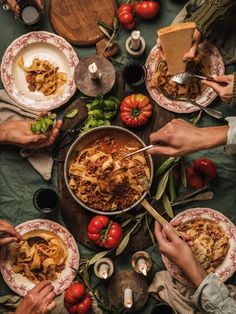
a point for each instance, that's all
(22, 285)
(207, 96)
(226, 269)
(8, 79)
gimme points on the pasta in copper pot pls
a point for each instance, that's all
(104, 181)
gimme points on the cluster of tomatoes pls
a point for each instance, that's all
(144, 9)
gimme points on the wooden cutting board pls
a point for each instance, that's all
(75, 216)
(76, 20)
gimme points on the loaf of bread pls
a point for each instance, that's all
(176, 40)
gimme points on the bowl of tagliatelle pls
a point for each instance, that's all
(97, 176)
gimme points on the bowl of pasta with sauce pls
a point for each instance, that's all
(97, 176)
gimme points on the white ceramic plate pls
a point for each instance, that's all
(226, 269)
(216, 68)
(22, 285)
(45, 46)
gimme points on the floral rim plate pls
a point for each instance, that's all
(226, 269)
(217, 68)
(22, 285)
(45, 46)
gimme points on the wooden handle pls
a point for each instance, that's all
(162, 221)
(214, 81)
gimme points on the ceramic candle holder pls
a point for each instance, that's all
(141, 262)
(104, 268)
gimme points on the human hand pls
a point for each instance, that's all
(8, 233)
(19, 133)
(179, 252)
(40, 300)
(225, 92)
(180, 138)
(16, 9)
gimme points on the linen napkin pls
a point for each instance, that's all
(40, 159)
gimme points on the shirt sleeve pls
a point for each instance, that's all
(230, 147)
(234, 91)
(212, 296)
(211, 13)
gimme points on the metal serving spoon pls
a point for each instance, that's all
(182, 78)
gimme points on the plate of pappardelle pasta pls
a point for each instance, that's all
(208, 62)
(37, 71)
(213, 238)
(47, 251)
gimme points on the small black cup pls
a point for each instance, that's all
(163, 308)
(30, 13)
(46, 201)
(134, 74)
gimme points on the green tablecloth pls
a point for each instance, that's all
(18, 180)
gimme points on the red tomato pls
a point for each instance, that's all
(126, 7)
(104, 232)
(126, 18)
(194, 180)
(135, 110)
(205, 167)
(77, 301)
(146, 9)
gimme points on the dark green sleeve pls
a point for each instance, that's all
(212, 13)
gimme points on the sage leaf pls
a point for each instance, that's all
(183, 174)
(148, 220)
(172, 190)
(72, 113)
(165, 166)
(167, 205)
(97, 257)
(123, 244)
(162, 185)
(105, 32)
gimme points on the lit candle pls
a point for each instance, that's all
(142, 266)
(93, 71)
(128, 298)
(104, 268)
(135, 40)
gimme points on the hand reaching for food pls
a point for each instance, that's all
(180, 138)
(19, 133)
(224, 92)
(8, 233)
(179, 252)
(40, 300)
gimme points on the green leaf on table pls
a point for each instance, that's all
(72, 113)
(172, 190)
(123, 244)
(162, 185)
(105, 32)
(183, 177)
(167, 205)
(97, 257)
(148, 220)
(165, 166)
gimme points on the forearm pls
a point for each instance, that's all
(211, 13)
(212, 296)
(3, 134)
(212, 137)
(196, 274)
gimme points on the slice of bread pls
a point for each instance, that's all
(176, 40)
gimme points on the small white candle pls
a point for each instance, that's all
(128, 298)
(103, 271)
(142, 266)
(135, 40)
(93, 71)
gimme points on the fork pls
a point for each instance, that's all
(182, 78)
(211, 112)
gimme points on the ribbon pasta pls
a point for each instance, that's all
(41, 255)
(105, 182)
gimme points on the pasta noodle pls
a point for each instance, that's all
(193, 87)
(103, 181)
(209, 242)
(40, 256)
(43, 76)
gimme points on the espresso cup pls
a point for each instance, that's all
(134, 74)
(46, 201)
(29, 13)
(163, 308)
